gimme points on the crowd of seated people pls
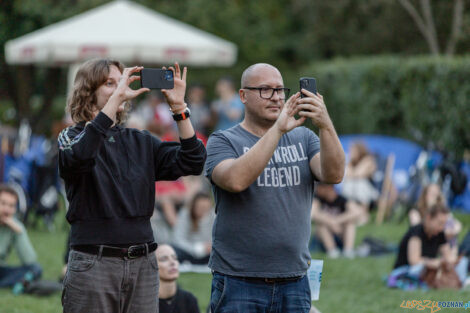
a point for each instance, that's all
(336, 212)
(184, 211)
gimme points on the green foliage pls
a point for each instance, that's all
(285, 33)
(396, 96)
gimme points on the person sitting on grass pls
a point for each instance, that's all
(357, 184)
(192, 235)
(430, 195)
(335, 216)
(422, 243)
(424, 246)
(171, 297)
(13, 235)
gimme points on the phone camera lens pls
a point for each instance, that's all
(169, 76)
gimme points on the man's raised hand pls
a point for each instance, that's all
(286, 120)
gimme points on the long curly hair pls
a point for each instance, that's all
(82, 101)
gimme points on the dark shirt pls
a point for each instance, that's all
(110, 175)
(181, 302)
(337, 206)
(429, 246)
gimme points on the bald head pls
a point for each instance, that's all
(254, 70)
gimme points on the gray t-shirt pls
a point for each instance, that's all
(264, 230)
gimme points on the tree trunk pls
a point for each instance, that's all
(456, 26)
(6, 76)
(427, 27)
(42, 119)
(431, 27)
(24, 89)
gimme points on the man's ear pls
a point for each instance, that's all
(241, 92)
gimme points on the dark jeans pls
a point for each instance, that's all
(237, 295)
(10, 275)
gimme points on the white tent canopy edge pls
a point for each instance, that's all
(124, 31)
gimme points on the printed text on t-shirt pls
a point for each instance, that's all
(286, 176)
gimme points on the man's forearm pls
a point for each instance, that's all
(331, 156)
(242, 172)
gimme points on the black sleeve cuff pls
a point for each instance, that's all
(102, 122)
(189, 143)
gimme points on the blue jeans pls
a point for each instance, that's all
(237, 295)
(10, 275)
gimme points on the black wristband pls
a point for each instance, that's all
(182, 116)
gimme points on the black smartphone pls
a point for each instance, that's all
(155, 78)
(308, 83)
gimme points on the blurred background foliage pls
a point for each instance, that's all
(411, 97)
(337, 41)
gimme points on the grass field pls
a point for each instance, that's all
(348, 285)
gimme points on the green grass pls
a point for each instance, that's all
(348, 286)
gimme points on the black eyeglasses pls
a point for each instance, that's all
(268, 92)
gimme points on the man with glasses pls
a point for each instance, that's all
(262, 173)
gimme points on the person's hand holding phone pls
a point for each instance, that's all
(286, 120)
(175, 96)
(124, 91)
(123, 88)
(312, 106)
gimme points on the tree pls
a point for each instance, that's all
(425, 22)
(21, 17)
(286, 33)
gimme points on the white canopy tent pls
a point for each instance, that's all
(124, 31)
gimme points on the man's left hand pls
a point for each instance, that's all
(314, 107)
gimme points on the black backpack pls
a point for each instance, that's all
(458, 177)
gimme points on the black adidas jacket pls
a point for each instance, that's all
(110, 176)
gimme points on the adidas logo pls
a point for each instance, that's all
(111, 139)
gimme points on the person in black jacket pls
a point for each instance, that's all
(172, 298)
(110, 173)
